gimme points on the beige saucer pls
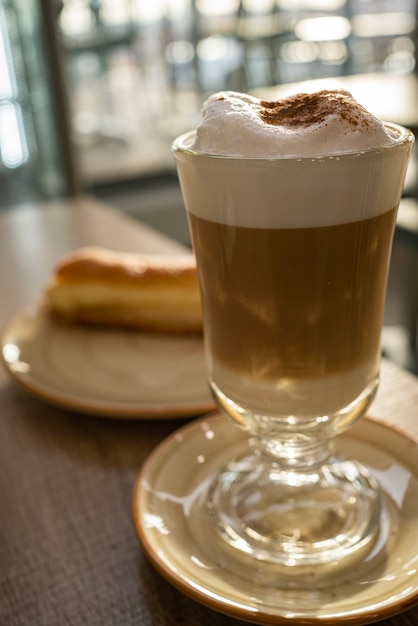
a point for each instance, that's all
(172, 525)
(106, 372)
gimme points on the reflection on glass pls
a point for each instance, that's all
(13, 146)
(34, 156)
(7, 81)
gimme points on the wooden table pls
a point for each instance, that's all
(68, 550)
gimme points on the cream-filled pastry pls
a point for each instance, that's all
(99, 286)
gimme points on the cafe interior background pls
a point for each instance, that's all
(92, 93)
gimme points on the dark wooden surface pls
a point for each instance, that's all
(68, 550)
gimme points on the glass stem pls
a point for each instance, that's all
(296, 453)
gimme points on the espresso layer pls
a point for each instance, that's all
(293, 303)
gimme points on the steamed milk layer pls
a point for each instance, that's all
(292, 258)
(310, 127)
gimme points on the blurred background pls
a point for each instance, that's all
(92, 93)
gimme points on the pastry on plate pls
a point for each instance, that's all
(149, 292)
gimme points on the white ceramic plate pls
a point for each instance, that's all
(172, 525)
(106, 372)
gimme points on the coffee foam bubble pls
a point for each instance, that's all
(318, 124)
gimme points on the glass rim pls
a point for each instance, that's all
(406, 138)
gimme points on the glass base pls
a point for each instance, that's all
(319, 521)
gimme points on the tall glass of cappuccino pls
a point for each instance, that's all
(292, 208)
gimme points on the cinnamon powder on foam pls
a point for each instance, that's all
(305, 110)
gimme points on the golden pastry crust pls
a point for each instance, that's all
(149, 292)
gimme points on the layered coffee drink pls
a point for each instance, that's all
(292, 206)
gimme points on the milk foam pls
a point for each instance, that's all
(315, 162)
(320, 124)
